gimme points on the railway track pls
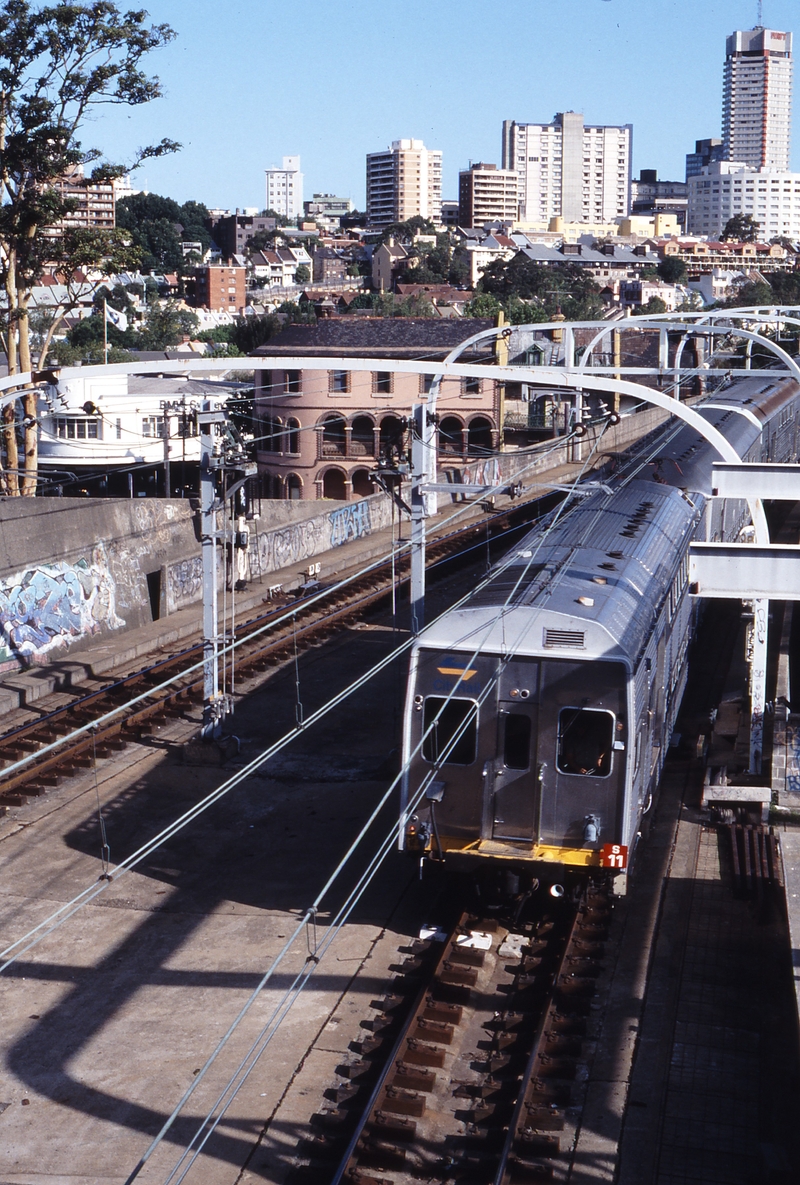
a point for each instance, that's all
(469, 1066)
(261, 648)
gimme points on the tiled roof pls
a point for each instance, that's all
(389, 337)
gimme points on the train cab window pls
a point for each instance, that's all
(451, 731)
(517, 741)
(585, 741)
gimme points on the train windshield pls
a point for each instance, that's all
(451, 730)
(585, 740)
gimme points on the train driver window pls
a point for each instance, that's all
(451, 730)
(585, 741)
(517, 741)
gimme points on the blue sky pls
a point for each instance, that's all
(248, 81)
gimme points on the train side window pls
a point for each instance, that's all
(517, 741)
(585, 740)
(451, 730)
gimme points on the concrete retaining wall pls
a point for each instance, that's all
(74, 569)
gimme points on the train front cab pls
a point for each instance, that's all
(530, 771)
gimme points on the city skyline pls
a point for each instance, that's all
(616, 61)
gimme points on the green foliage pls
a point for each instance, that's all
(654, 305)
(404, 232)
(483, 304)
(779, 288)
(302, 275)
(166, 325)
(742, 228)
(672, 270)
(158, 226)
(565, 288)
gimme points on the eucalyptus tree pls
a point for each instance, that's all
(59, 62)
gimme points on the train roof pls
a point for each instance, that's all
(589, 586)
(592, 582)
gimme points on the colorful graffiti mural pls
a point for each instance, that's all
(52, 606)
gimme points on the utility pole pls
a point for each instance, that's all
(221, 451)
(213, 709)
(166, 408)
(418, 477)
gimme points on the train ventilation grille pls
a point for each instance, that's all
(571, 639)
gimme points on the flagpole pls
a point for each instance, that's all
(105, 331)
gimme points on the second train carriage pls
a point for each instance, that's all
(538, 714)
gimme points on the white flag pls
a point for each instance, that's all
(116, 318)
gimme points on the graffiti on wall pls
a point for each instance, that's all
(793, 758)
(349, 522)
(52, 606)
(184, 583)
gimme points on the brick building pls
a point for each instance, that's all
(321, 432)
(221, 288)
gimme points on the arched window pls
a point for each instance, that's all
(333, 436)
(479, 437)
(271, 431)
(293, 487)
(362, 486)
(270, 485)
(362, 437)
(292, 439)
(451, 440)
(392, 438)
(333, 485)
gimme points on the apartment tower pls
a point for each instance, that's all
(757, 98)
(568, 169)
(402, 182)
(285, 189)
(487, 194)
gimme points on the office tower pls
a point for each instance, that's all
(487, 194)
(705, 153)
(566, 168)
(402, 182)
(757, 98)
(285, 188)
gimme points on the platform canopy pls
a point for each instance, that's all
(745, 571)
(754, 479)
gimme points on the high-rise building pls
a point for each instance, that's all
(403, 182)
(705, 153)
(757, 98)
(285, 188)
(92, 202)
(487, 194)
(771, 197)
(568, 169)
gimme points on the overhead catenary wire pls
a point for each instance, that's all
(312, 911)
(56, 919)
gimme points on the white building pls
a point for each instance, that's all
(285, 189)
(757, 98)
(568, 169)
(726, 188)
(111, 426)
(403, 182)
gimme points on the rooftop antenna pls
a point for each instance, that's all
(759, 20)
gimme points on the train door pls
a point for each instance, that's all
(515, 802)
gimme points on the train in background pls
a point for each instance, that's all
(538, 714)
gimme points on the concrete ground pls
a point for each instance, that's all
(108, 1020)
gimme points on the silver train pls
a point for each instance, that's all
(539, 713)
